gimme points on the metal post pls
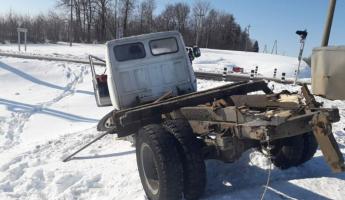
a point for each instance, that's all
(299, 60)
(19, 40)
(303, 35)
(328, 25)
(25, 40)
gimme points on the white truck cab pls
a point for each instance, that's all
(140, 69)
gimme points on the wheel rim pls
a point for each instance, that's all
(149, 166)
(109, 123)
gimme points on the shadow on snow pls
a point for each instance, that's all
(23, 107)
(38, 81)
(244, 176)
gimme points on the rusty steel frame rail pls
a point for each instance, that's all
(129, 120)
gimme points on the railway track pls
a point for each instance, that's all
(199, 75)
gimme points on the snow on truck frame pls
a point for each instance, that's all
(152, 90)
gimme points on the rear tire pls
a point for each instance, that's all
(310, 147)
(159, 163)
(287, 152)
(194, 170)
(293, 151)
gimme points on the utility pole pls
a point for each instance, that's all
(247, 31)
(275, 47)
(265, 49)
(70, 25)
(199, 23)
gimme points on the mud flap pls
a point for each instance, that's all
(322, 129)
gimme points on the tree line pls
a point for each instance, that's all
(96, 21)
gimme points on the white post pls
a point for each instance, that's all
(225, 72)
(275, 73)
(283, 77)
(252, 74)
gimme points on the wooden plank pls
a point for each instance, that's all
(262, 102)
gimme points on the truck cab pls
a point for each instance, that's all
(140, 69)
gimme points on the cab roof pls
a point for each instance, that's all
(138, 38)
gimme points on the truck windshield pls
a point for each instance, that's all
(163, 46)
(129, 51)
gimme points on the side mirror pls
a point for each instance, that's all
(196, 52)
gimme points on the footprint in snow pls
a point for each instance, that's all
(36, 181)
(64, 182)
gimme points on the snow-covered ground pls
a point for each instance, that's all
(47, 110)
(215, 61)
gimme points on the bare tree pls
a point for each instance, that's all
(182, 13)
(99, 20)
(210, 26)
(200, 10)
(116, 23)
(127, 8)
(146, 9)
(167, 19)
(102, 19)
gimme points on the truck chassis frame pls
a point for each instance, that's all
(234, 118)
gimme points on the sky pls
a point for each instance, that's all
(270, 20)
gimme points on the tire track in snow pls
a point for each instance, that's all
(15, 123)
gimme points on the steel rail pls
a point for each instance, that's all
(199, 75)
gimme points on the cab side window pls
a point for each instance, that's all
(163, 46)
(129, 51)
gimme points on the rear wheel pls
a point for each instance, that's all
(159, 163)
(293, 151)
(286, 152)
(194, 170)
(310, 147)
